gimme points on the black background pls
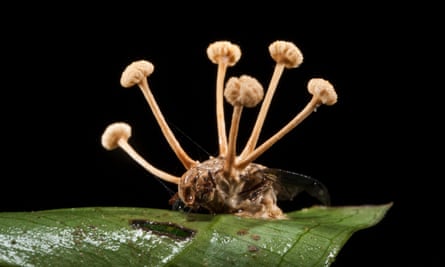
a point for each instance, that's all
(61, 88)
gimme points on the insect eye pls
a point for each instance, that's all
(188, 195)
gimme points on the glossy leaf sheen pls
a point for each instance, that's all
(113, 236)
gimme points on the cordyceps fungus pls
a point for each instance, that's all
(231, 182)
(117, 135)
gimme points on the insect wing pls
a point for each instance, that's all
(290, 184)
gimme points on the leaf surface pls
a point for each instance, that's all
(121, 236)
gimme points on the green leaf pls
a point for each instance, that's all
(113, 236)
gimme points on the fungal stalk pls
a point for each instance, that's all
(137, 73)
(231, 182)
(224, 54)
(286, 55)
(240, 92)
(117, 135)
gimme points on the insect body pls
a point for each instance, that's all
(258, 189)
(231, 182)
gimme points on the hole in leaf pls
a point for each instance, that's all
(163, 228)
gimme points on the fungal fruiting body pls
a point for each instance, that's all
(231, 182)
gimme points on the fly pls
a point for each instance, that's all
(231, 182)
(287, 185)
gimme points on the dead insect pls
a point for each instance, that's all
(231, 182)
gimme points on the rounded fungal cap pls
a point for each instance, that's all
(115, 132)
(322, 89)
(224, 51)
(245, 91)
(135, 72)
(286, 53)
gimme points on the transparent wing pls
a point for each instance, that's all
(290, 184)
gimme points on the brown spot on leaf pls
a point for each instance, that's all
(242, 232)
(255, 237)
(253, 248)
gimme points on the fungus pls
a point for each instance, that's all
(231, 183)
(117, 135)
(137, 73)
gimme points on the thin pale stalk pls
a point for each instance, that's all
(251, 143)
(168, 134)
(308, 109)
(220, 119)
(150, 168)
(231, 152)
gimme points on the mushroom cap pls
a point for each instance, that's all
(322, 89)
(286, 53)
(245, 91)
(221, 51)
(115, 132)
(135, 72)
